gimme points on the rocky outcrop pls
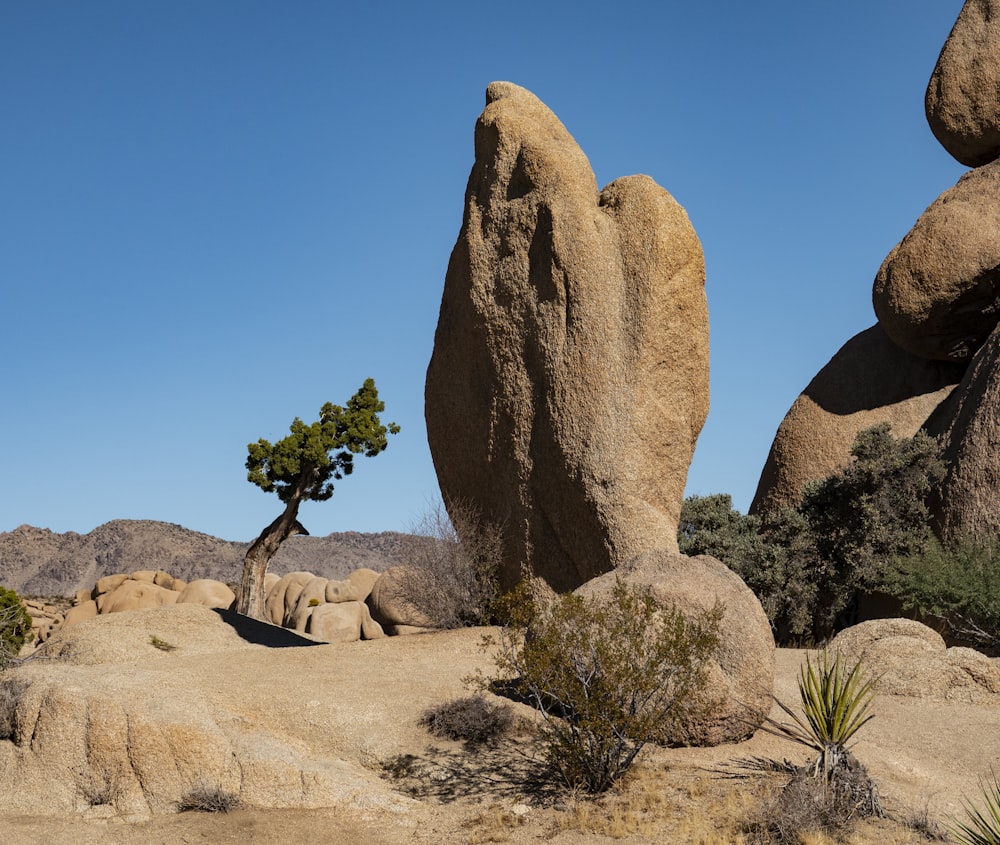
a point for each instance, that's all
(963, 96)
(869, 381)
(937, 297)
(740, 678)
(907, 658)
(114, 723)
(324, 609)
(569, 379)
(937, 294)
(968, 500)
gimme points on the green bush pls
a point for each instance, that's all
(472, 719)
(809, 565)
(608, 677)
(15, 626)
(958, 584)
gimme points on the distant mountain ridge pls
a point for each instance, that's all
(37, 561)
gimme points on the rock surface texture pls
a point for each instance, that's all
(741, 677)
(963, 96)
(910, 659)
(569, 379)
(968, 500)
(937, 294)
(869, 381)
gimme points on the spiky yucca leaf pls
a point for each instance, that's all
(983, 826)
(835, 705)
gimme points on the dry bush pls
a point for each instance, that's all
(11, 691)
(205, 798)
(472, 719)
(451, 566)
(810, 805)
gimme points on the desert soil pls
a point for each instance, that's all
(362, 702)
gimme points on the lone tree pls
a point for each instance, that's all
(301, 468)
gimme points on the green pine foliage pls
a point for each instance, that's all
(302, 467)
(15, 626)
(311, 457)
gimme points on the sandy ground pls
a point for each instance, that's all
(364, 700)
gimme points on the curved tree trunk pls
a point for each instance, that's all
(250, 600)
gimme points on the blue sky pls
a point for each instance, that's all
(216, 216)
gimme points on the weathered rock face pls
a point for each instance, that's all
(869, 381)
(937, 294)
(963, 95)
(569, 379)
(909, 659)
(968, 500)
(741, 676)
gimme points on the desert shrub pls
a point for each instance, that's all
(11, 690)
(809, 565)
(958, 584)
(835, 789)
(15, 626)
(869, 513)
(607, 676)
(205, 798)
(983, 825)
(452, 565)
(807, 806)
(710, 525)
(835, 704)
(472, 719)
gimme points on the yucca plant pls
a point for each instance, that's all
(835, 705)
(983, 826)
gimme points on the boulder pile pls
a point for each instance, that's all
(931, 361)
(323, 609)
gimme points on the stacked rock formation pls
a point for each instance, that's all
(931, 362)
(569, 380)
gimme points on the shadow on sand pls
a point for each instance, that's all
(263, 633)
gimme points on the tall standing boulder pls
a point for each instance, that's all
(569, 379)
(963, 96)
(869, 381)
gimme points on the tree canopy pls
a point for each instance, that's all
(302, 467)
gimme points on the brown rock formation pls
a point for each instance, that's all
(963, 95)
(741, 676)
(909, 659)
(968, 500)
(937, 294)
(869, 381)
(569, 379)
